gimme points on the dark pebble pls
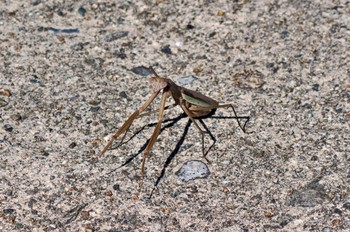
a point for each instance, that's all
(60, 13)
(116, 187)
(82, 11)
(141, 70)
(212, 34)
(270, 65)
(166, 49)
(123, 94)
(8, 211)
(94, 102)
(73, 145)
(78, 46)
(19, 226)
(347, 205)
(8, 128)
(34, 81)
(95, 108)
(189, 26)
(285, 34)
(3, 103)
(337, 211)
(120, 54)
(116, 35)
(316, 87)
(35, 2)
(96, 63)
(307, 106)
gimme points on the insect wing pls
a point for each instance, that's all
(196, 98)
(195, 101)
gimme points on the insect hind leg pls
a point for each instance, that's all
(211, 136)
(246, 118)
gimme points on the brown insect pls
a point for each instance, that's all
(194, 104)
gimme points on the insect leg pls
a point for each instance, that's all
(189, 114)
(140, 116)
(155, 132)
(211, 136)
(129, 121)
(237, 117)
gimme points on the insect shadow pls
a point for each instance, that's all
(170, 123)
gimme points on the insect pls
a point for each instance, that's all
(194, 104)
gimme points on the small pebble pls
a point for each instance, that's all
(337, 211)
(141, 70)
(186, 80)
(166, 49)
(179, 43)
(3, 103)
(16, 117)
(72, 145)
(116, 187)
(85, 214)
(120, 54)
(95, 108)
(347, 205)
(316, 87)
(307, 106)
(6, 92)
(82, 11)
(19, 225)
(8, 128)
(35, 2)
(189, 26)
(212, 34)
(285, 34)
(220, 13)
(198, 69)
(78, 46)
(123, 94)
(192, 170)
(116, 35)
(95, 102)
(8, 211)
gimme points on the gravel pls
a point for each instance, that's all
(68, 82)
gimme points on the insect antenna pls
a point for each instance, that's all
(152, 71)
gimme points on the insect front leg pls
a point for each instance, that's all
(128, 122)
(155, 132)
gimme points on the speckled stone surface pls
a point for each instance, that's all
(68, 81)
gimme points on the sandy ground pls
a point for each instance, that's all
(63, 92)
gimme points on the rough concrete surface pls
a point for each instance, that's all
(64, 92)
